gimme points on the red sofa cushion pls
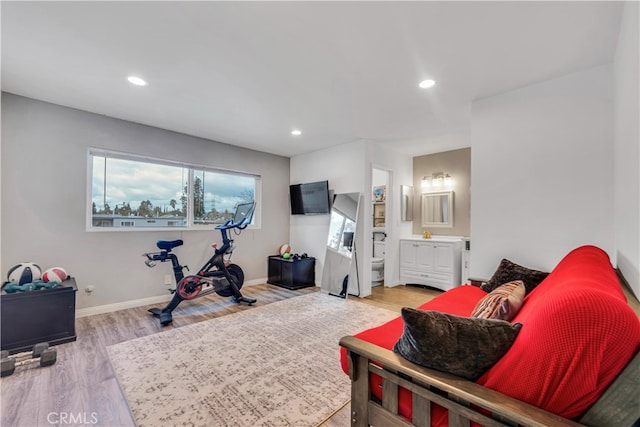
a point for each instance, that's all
(578, 333)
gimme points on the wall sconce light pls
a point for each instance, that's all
(437, 180)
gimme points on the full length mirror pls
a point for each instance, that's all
(340, 244)
(437, 209)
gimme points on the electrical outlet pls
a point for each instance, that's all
(167, 279)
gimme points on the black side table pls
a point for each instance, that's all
(292, 273)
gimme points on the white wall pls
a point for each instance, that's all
(1, 269)
(343, 167)
(542, 171)
(44, 182)
(378, 178)
(626, 148)
(348, 168)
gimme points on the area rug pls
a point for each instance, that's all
(274, 365)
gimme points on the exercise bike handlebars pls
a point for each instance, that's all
(242, 218)
(229, 224)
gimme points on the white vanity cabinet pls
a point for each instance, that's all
(431, 262)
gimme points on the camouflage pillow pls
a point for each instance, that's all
(502, 303)
(462, 346)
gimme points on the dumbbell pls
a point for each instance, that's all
(36, 352)
(41, 354)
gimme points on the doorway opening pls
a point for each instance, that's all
(380, 183)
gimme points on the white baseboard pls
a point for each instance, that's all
(109, 308)
(255, 282)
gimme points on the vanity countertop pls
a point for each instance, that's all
(435, 238)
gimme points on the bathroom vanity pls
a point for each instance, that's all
(433, 262)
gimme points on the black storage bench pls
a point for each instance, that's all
(292, 273)
(46, 315)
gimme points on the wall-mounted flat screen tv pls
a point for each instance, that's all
(310, 198)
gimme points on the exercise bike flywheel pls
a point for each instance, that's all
(189, 287)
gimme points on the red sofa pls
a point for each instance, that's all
(578, 333)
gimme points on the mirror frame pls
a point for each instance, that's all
(447, 224)
(338, 261)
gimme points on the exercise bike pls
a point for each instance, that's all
(217, 274)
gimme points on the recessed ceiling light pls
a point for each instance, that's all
(426, 83)
(296, 132)
(136, 81)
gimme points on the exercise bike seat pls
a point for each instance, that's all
(167, 245)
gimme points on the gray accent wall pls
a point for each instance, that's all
(456, 163)
(44, 199)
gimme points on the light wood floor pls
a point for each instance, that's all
(82, 386)
(82, 382)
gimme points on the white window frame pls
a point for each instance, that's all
(191, 226)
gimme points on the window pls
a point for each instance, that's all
(130, 192)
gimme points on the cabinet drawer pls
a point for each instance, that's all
(422, 275)
(416, 278)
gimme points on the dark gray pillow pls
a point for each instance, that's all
(462, 346)
(509, 271)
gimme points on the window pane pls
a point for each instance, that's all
(129, 193)
(336, 226)
(216, 194)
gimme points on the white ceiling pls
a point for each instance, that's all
(247, 73)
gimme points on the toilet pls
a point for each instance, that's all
(377, 262)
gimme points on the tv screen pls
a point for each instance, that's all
(310, 198)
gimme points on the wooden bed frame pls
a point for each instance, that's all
(619, 406)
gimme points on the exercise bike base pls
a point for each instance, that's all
(245, 300)
(165, 317)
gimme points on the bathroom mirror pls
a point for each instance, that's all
(406, 203)
(437, 209)
(340, 244)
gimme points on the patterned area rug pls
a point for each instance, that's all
(275, 365)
